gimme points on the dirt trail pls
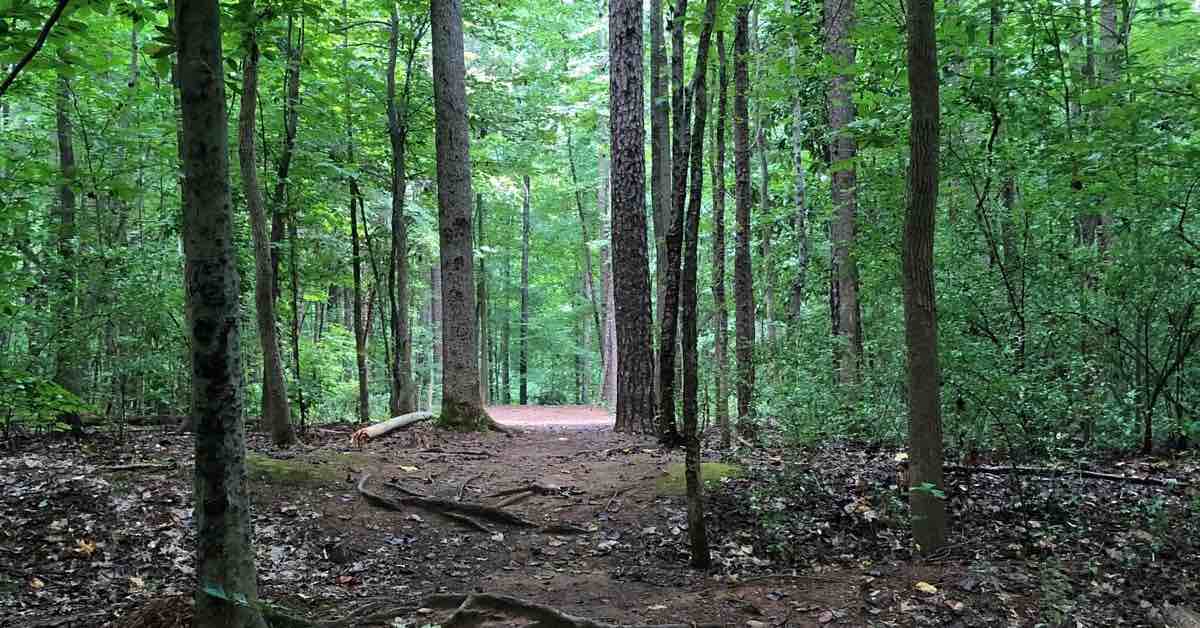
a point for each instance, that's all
(551, 416)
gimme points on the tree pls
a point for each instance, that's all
(843, 287)
(743, 280)
(523, 360)
(359, 324)
(697, 537)
(403, 394)
(720, 316)
(482, 304)
(631, 277)
(226, 578)
(276, 411)
(799, 198)
(660, 153)
(462, 407)
(920, 306)
(67, 371)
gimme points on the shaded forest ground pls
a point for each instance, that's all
(801, 537)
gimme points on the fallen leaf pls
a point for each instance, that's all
(925, 587)
(409, 469)
(825, 617)
(36, 583)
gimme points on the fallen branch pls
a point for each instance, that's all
(1051, 472)
(361, 436)
(462, 488)
(137, 466)
(37, 45)
(536, 487)
(467, 521)
(466, 614)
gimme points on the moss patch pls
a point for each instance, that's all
(675, 483)
(321, 468)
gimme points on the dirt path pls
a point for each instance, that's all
(551, 416)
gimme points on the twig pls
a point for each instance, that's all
(509, 501)
(137, 466)
(37, 45)
(463, 487)
(467, 521)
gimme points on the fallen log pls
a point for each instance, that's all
(1051, 472)
(371, 432)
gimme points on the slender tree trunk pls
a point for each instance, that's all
(920, 309)
(669, 304)
(721, 340)
(67, 370)
(799, 199)
(276, 411)
(482, 303)
(360, 331)
(631, 279)
(505, 335)
(435, 308)
(589, 286)
(282, 204)
(523, 359)
(743, 281)
(462, 407)
(697, 537)
(660, 157)
(608, 385)
(764, 190)
(843, 301)
(224, 552)
(403, 395)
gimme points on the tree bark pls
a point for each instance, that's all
(669, 303)
(697, 537)
(276, 411)
(608, 386)
(631, 278)
(920, 308)
(67, 370)
(226, 580)
(660, 155)
(843, 288)
(764, 190)
(462, 407)
(799, 192)
(482, 304)
(356, 200)
(721, 340)
(589, 284)
(523, 359)
(743, 280)
(291, 114)
(403, 394)
(505, 335)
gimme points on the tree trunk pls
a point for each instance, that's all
(631, 278)
(589, 285)
(67, 370)
(674, 222)
(276, 411)
(523, 359)
(224, 552)
(360, 329)
(435, 327)
(485, 367)
(505, 335)
(721, 340)
(608, 385)
(697, 537)
(920, 309)
(843, 288)
(799, 199)
(403, 395)
(764, 191)
(660, 156)
(462, 407)
(743, 281)
(291, 114)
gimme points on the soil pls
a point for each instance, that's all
(808, 537)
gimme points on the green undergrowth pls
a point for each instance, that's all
(674, 482)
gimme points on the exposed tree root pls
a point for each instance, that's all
(468, 614)
(434, 504)
(1050, 472)
(536, 487)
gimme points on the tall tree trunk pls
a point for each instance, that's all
(523, 359)
(224, 552)
(435, 309)
(743, 280)
(697, 537)
(660, 156)
(764, 190)
(282, 203)
(589, 286)
(462, 407)
(920, 308)
(843, 288)
(505, 335)
(608, 382)
(631, 279)
(403, 394)
(720, 342)
(356, 200)
(67, 370)
(276, 411)
(669, 304)
(482, 304)
(799, 199)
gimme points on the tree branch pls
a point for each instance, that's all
(37, 45)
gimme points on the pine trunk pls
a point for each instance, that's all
(631, 278)
(743, 281)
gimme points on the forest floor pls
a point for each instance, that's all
(800, 537)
